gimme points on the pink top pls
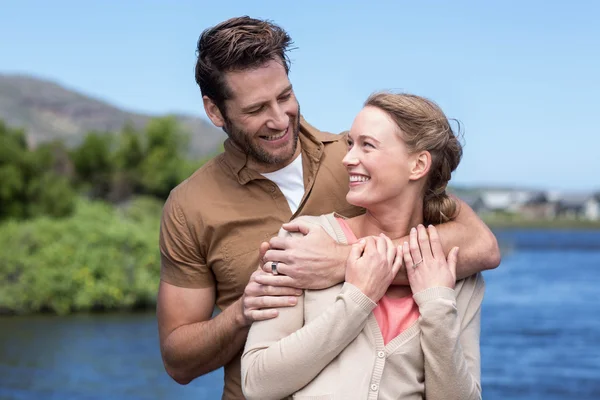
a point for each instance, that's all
(393, 315)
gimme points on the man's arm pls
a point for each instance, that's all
(479, 249)
(316, 261)
(192, 344)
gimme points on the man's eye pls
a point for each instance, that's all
(255, 111)
(368, 144)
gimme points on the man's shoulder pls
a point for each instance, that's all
(322, 136)
(204, 183)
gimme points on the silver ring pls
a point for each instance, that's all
(274, 267)
(417, 264)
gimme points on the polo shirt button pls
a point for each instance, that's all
(272, 189)
(380, 354)
(374, 387)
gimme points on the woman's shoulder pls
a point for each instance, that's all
(470, 290)
(328, 222)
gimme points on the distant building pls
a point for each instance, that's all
(591, 207)
(572, 206)
(538, 206)
(504, 200)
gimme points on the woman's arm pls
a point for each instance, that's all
(450, 317)
(450, 341)
(282, 356)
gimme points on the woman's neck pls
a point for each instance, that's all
(393, 218)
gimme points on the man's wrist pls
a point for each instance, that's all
(239, 318)
(343, 251)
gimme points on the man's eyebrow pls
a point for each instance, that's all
(260, 103)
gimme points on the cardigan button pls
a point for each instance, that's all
(374, 387)
(380, 354)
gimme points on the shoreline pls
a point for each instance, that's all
(561, 224)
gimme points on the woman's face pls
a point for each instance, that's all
(378, 161)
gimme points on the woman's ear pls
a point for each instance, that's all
(420, 165)
(213, 112)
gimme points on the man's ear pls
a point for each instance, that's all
(213, 112)
(420, 165)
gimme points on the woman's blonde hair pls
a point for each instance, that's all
(424, 127)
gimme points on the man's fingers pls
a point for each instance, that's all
(269, 290)
(275, 280)
(281, 267)
(277, 255)
(279, 243)
(270, 302)
(261, 315)
(300, 226)
(262, 250)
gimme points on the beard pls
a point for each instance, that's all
(252, 148)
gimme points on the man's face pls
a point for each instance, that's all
(262, 117)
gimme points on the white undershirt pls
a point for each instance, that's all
(290, 180)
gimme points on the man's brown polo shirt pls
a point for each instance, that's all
(214, 221)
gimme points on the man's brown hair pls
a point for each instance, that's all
(235, 45)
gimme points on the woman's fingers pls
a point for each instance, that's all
(391, 250)
(452, 260)
(408, 260)
(415, 251)
(436, 244)
(398, 256)
(424, 245)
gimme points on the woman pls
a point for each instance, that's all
(365, 339)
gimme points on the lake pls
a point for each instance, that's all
(540, 336)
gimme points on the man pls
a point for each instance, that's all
(275, 167)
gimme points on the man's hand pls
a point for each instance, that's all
(311, 261)
(261, 298)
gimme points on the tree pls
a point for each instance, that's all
(29, 186)
(165, 164)
(94, 164)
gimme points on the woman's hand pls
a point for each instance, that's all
(426, 264)
(372, 265)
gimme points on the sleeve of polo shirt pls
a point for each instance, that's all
(182, 263)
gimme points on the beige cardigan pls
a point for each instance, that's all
(329, 346)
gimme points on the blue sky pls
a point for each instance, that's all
(522, 76)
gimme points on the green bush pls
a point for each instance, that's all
(101, 257)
